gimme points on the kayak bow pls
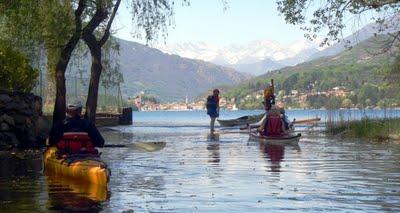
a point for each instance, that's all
(248, 119)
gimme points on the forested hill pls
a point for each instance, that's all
(169, 77)
(359, 70)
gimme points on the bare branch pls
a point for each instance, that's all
(110, 21)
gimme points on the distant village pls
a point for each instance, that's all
(304, 97)
(230, 104)
(150, 105)
(300, 99)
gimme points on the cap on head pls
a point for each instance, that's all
(216, 90)
(74, 106)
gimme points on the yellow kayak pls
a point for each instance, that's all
(64, 186)
(91, 170)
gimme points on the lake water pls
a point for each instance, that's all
(226, 172)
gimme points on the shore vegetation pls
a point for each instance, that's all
(379, 129)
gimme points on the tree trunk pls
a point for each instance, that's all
(60, 102)
(50, 89)
(65, 56)
(95, 73)
(95, 51)
(52, 57)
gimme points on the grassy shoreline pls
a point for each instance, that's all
(378, 129)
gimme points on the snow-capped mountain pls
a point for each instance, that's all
(244, 56)
(261, 56)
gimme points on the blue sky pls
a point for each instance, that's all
(207, 21)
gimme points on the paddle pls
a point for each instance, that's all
(230, 132)
(143, 146)
(304, 121)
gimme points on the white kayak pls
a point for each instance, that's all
(285, 139)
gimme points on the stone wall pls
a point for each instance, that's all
(22, 124)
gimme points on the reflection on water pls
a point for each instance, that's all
(274, 153)
(20, 181)
(70, 195)
(213, 148)
(213, 137)
(214, 153)
(194, 171)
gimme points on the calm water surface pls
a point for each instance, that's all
(198, 172)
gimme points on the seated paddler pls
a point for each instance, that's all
(273, 125)
(75, 134)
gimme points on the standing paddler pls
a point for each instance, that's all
(269, 97)
(212, 106)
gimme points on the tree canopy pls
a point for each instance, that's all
(330, 17)
(16, 74)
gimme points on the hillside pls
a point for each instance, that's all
(169, 77)
(357, 70)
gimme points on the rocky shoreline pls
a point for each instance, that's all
(22, 124)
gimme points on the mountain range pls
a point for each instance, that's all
(169, 77)
(254, 58)
(262, 56)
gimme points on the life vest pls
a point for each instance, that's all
(269, 98)
(212, 105)
(274, 126)
(75, 142)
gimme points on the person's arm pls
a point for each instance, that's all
(95, 135)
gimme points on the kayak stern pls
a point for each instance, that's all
(287, 139)
(93, 171)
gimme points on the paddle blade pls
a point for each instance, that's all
(147, 146)
(140, 146)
